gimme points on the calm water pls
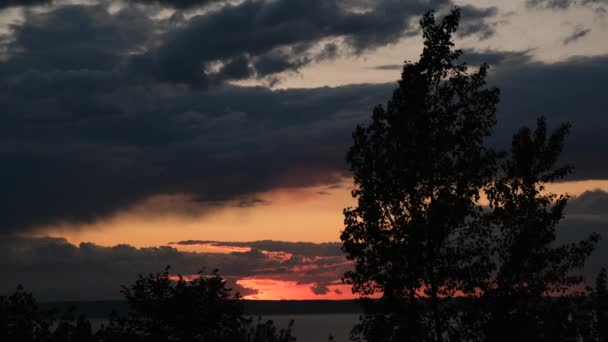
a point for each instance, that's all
(307, 328)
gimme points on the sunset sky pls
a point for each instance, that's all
(212, 133)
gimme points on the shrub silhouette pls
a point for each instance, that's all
(22, 320)
(73, 330)
(202, 309)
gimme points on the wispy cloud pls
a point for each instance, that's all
(578, 33)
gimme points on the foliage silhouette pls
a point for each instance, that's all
(418, 170)
(599, 308)
(161, 309)
(21, 319)
(448, 268)
(202, 309)
(522, 220)
(76, 330)
(266, 331)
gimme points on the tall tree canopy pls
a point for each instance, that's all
(420, 235)
(418, 170)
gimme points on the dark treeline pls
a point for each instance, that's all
(160, 309)
(458, 239)
(101, 309)
(203, 309)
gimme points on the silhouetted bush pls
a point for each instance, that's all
(73, 330)
(22, 320)
(161, 309)
(202, 309)
(266, 331)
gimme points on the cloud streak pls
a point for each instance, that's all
(563, 4)
(578, 34)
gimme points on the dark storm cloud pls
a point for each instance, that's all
(178, 4)
(587, 214)
(475, 21)
(593, 202)
(568, 91)
(132, 143)
(265, 38)
(82, 135)
(57, 270)
(16, 3)
(75, 43)
(578, 33)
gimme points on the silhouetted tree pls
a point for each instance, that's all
(523, 218)
(418, 170)
(202, 309)
(21, 320)
(446, 268)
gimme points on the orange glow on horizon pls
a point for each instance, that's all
(312, 214)
(271, 289)
(209, 248)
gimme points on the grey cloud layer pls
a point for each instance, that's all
(253, 39)
(587, 214)
(98, 112)
(568, 91)
(14, 3)
(57, 270)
